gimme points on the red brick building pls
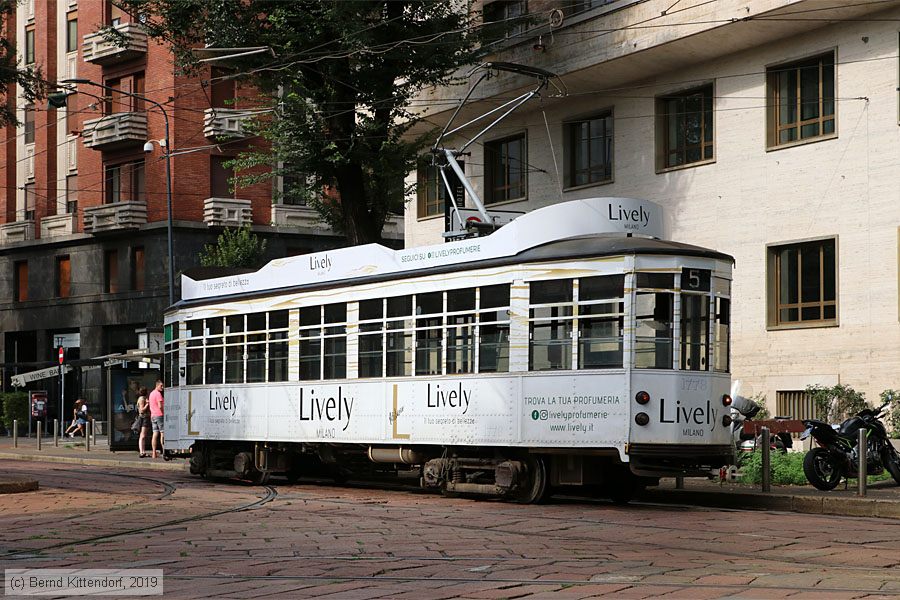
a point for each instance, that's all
(83, 204)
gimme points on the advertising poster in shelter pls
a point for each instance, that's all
(124, 386)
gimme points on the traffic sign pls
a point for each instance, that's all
(62, 354)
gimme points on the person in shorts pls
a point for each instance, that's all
(156, 417)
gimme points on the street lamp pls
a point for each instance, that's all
(148, 147)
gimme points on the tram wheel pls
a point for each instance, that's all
(260, 477)
(537, 489)
(623, 485)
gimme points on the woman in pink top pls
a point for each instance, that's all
(156, 416)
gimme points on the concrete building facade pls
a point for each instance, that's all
(766, 129)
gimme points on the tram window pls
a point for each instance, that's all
(694, 332)
(653, 330)
(256, 347)
(335, 341)
(722, 332)
(461, 331)
(659, 281)
(550, 327)
(310, 343)
(214, 355)
(429, 304)
(601, 315)
(429, 333)
(493, 328)
(170, 336)
(399, 336)
(195, 352)
(278, 345)
(371, 335)
(234, 349)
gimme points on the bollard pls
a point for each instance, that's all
(679, 483)
(39, 434)
(56, 432)
(87, 436)
(15, 433)
(861, 453)
(766, 461)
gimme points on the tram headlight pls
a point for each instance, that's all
(726, 420)
(642, 418)
(642, 397)
(726, 400)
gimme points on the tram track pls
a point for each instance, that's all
(168, 489)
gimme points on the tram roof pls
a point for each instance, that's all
(578, 247)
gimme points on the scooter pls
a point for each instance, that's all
(837, 454)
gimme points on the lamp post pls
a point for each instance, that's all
(168, 152)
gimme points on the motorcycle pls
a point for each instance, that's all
(837, 455)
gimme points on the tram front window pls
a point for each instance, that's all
(653, 310)
(694, 332)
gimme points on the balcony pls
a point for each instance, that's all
(58, 225)
(115, 217)
(304, 217)
(224, 122)
(100, 50)
(227, 212)
(17, 231)
(115, 131)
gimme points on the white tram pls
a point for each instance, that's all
(571, 347)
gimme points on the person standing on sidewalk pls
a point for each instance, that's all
(156, 417)
(143, 407)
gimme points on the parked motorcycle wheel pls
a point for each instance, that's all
(891, 463)
(820, 469)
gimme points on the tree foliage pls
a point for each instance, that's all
(12, 74)
(342, 79)
(837, 403)
(235, 248)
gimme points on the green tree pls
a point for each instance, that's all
(235, 248)
(836, 403)
(27, 78)
(342, 79)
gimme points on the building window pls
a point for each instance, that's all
(220, 177)
(137, 268)
(30, 193)
(801, 100)
(803, 283)
(510, 14)
(72, 32)
(29, 124)
(125, 183)
(431, 192)
(72, 194)
(20, 283)
(72, 126)
(116, 14)
(796, 404)
(589, 145)
(118, 100)
(685, 127)
(29, 45)
(111, 272)
(63, 276)
(505, 162)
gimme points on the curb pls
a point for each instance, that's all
(813, 505)
(98, 462)
(17, 486)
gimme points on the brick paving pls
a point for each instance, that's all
(353, 543)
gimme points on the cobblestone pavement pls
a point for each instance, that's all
(305, 540)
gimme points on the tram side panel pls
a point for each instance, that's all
(534, 411)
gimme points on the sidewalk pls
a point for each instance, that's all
(73, 451)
